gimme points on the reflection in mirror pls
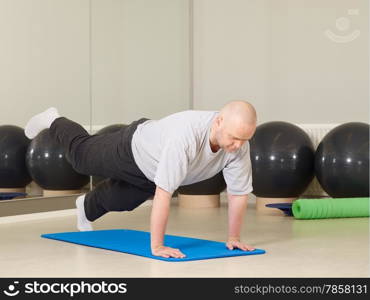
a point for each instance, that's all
(100, 63)
(44, 61)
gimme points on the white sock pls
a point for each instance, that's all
(83, 224)
(40, 122)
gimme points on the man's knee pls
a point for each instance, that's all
(132, 204)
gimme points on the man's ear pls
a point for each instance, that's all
(219, 120)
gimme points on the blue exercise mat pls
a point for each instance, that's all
(138, 243)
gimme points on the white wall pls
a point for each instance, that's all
(275, 54)
(44, 59)
(140, 59)
(230, 50)
(272, 52)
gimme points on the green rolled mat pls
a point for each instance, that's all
(331, 208)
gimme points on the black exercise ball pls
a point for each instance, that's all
(49, 167)
(342, 161)
(106, 130)
(211, 186)
(13, 148)
(282, 157)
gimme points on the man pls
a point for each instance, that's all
(155, 157)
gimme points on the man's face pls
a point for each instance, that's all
(233, 136)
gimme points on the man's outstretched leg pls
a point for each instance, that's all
(109, 195)
(109, 156)
(88, 154)
(83, 151)
(106, 155)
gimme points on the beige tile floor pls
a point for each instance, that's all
(295, 248)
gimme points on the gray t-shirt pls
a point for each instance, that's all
(175, 151)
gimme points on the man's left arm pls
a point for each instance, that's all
(236, 211)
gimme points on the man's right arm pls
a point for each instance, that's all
(158, 223)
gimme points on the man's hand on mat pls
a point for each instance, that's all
(167, 252)
(233, 243)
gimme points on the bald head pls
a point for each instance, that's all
(239, 113)
(233, 126)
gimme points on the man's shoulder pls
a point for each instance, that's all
(189, 121)
(190, 113)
